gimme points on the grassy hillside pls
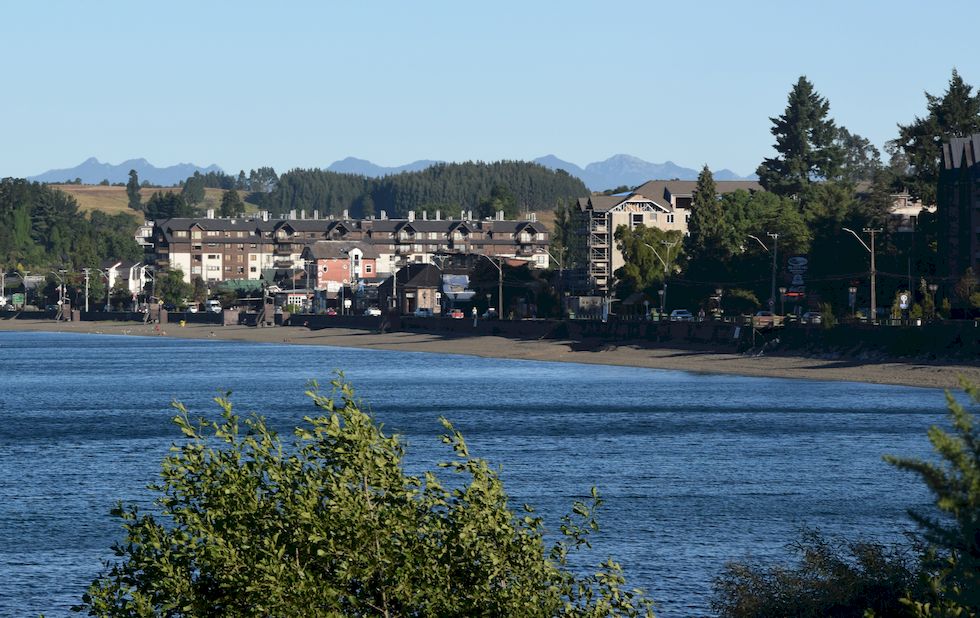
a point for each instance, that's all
(113, 200)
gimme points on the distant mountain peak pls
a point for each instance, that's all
(627, 170)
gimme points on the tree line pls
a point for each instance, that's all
(512, 186)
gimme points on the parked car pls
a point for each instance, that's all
(192, 309)
(811, 317)
(762, 319)
(330, 311)
(681, 315)
(214, 306)
(423, 313)
(457, 314)
(373, 311)
(490, 314)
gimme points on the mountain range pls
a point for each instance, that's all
(92, 172)
(616, 171)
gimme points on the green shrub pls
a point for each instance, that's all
(330, 525)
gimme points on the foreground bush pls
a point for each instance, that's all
(332, 526)
(936, 576)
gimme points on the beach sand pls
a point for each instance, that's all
(929, 375)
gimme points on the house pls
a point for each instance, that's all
(132, 274)
(336, 263)
(416, 286)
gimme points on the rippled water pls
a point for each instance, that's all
(696, 469)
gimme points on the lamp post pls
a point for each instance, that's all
(871, 250)
(782, 301)
(500, 286)
(932, 290)
(773, 253)
(108, 286)
(718, 292)
(663, 292)
(561, 269)
(852, 297)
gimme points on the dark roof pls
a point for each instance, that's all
(420, 276)
(337, 249)
(957, 147)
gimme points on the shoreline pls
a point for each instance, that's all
(674, 358)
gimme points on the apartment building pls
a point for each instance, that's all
(222, 249)
(664, 204)
(958, 198)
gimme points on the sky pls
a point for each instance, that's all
(303, 84)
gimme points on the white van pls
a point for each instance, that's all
(213, 306)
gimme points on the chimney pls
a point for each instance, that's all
(265, 215)
(500, 215)
(316, 215)
(302, 214)
(346, 214)
(425, 215)
(292, 215)
(438, 215)
(210, 213)
(383, 215)
(534, 216)
(411, 215)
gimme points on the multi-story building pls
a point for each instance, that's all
(958, 198)
(220, 249)
(664, 204)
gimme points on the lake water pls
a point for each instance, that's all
(696, 470)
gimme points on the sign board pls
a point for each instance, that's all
(797, 266)
(903, 301)
(17, 299)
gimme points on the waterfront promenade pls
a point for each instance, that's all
(675, 357)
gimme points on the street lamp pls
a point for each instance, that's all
(108, 287)
(852, 297)
(932, 290)
(782, 301)
(663, 292)
(871, 250)
(775, 250)
(718, 292)
(500, 286)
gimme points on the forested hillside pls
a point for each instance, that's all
(42, 227)
(481, 187)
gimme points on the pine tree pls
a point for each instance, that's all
(133, 191)
(232, 204)
(955, 114)
(806, 143)
(706, 224)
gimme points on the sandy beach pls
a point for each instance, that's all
(929, 375)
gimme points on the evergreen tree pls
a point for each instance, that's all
(193, 191)
(805, 143)
(711, 236)
(232, 204)
(861, 160)
(955, 114)
(133, 191)
(167, 205)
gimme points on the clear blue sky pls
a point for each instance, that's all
(302, 84)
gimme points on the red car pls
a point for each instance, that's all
(331, 311)
(457, 314)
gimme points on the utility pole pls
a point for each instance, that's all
(86, 271)
(872, 231)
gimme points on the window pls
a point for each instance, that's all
(670, 218)
(241, 247)
(212, 233)
(252, 269)
(213, 268)
(252, 246)
(196, 234)
(687, 218)
(368, 268)
(227, 269)
(195, 270)
(540, 235)
(212, 245)
(239, 258)
(635, 220)
(213, 256)
(180, 234)
(252, 257)
(241, 270)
